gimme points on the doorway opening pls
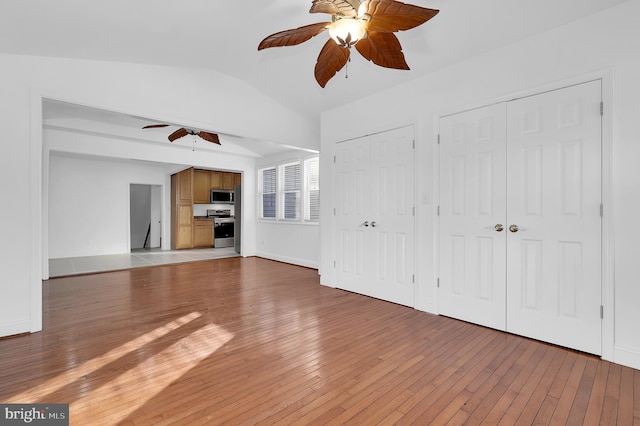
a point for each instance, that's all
(145, 220)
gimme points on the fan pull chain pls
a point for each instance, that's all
(346, 68)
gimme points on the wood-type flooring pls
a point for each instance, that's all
(243, 341)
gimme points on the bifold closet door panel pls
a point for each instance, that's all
(392, 215)
(553, 216)
(353, 189)
(473, 216)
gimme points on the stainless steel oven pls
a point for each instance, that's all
(223, 228)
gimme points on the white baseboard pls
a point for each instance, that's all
(15, 327)
(629, 357)
(292, 260)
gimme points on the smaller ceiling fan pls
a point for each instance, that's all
(181, 132)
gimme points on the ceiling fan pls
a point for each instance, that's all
(368, 25)
(181, 132)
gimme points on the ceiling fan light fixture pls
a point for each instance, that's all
(347, 31)
(369, 23)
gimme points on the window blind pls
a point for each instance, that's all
(269, 193)
(312, 193)
(292, 184)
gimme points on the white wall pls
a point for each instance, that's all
(606, 44)
(197, 98)
(298, 244)
(89, 204)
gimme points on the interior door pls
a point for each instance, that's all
(554, 237)
(473, 216)
(391, 215)
(375, 216)
(354, 197)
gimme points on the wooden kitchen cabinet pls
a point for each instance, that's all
(216, 180)
(203, 233)
(189, 187)
(183, 227)
(182, 209)
(184, 186)
(201, 186)
(227, 180)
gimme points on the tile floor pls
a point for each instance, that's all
(136, 259)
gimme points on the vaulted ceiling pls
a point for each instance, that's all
(224, 35)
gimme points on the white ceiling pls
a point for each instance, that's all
(224, 36)
(70, 117)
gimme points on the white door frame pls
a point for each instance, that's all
(608, 256)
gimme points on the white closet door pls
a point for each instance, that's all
(554, 196)
(532, 165)
(392, 215)
(473, 216)
(374, 215)
(352, 206)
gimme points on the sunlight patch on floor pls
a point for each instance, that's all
(150, 376)
(153, 375)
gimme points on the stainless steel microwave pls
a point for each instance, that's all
(221, 196)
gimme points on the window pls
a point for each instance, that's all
(269, 193)
(291, 191)
(312, 189)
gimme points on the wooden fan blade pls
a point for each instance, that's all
(331, 60)
(390, 16)
(383, 49)
(155, 126)
(334, 7)
(294, 36)
(178, 134)
(210, 137)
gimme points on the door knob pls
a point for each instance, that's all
(498, 227)
(365, 223)
(513, 228)
(373, 223)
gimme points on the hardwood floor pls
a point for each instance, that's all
(250, 341)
